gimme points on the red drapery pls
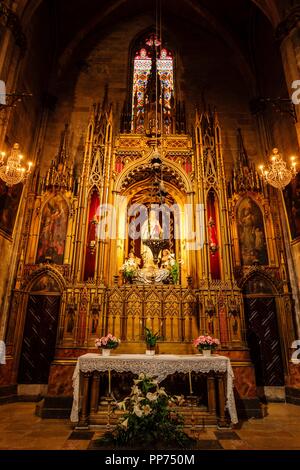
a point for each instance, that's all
(213, 242)
(90, 254)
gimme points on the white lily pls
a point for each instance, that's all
(147, 410)
(135, 390)
(136, 399)
(179, 399)
(137, 410)
(122, 405)
(125, 423)
(161, 391)
(152, 396)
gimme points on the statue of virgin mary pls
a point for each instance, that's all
(151, 230)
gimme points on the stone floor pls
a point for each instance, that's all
(21, 429)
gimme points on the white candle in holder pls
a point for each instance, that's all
(190, 381)
(109, 381)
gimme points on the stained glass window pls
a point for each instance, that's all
(165, 71)
(143, 64)
(142, 69)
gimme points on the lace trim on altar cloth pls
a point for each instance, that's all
(158, 366)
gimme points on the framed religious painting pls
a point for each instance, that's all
(291, 196)
(10, 197)
(251, 232)
(53, 231)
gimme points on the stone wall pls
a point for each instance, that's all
(205, 66)
(22, 124)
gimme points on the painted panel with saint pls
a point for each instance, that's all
(9, 204)
(251, 234)
(53, 231)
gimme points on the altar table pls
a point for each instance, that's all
(158, 366)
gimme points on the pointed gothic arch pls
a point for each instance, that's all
(46, 271)
(171, 169)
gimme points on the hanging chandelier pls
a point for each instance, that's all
(277, 174)
(11, 170)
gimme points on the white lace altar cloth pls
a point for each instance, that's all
(159, 366)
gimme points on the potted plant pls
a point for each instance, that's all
(174, 271)
(129, 273)
(107, 343)
(206, 344)
(151, 340)
(130, 267)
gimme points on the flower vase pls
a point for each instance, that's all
(150, 351)
(105, 352)
(206, 352)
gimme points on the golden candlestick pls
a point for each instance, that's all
(109, 382)
(190, 382)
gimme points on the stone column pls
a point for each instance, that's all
(13, 45)
(288, 33)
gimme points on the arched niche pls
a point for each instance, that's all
(213, 221)
(91, 233)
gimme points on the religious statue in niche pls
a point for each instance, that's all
(251, 234)
(151, 229)
(213, 238)
(71, 320)
(71, 314)
(9, 204)
(51, 245)
(210, 312)
(95, 318)
(81, 330)
(234, 315)
(92, 234)
(210, 324)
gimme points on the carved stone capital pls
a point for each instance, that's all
(11, 21)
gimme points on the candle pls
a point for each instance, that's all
(190, 381)
(109, 381)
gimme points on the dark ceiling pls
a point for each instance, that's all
(74, 20)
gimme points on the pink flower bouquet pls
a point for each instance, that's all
(206, 342)
(107, 342)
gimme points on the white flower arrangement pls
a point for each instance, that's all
(150, 417)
